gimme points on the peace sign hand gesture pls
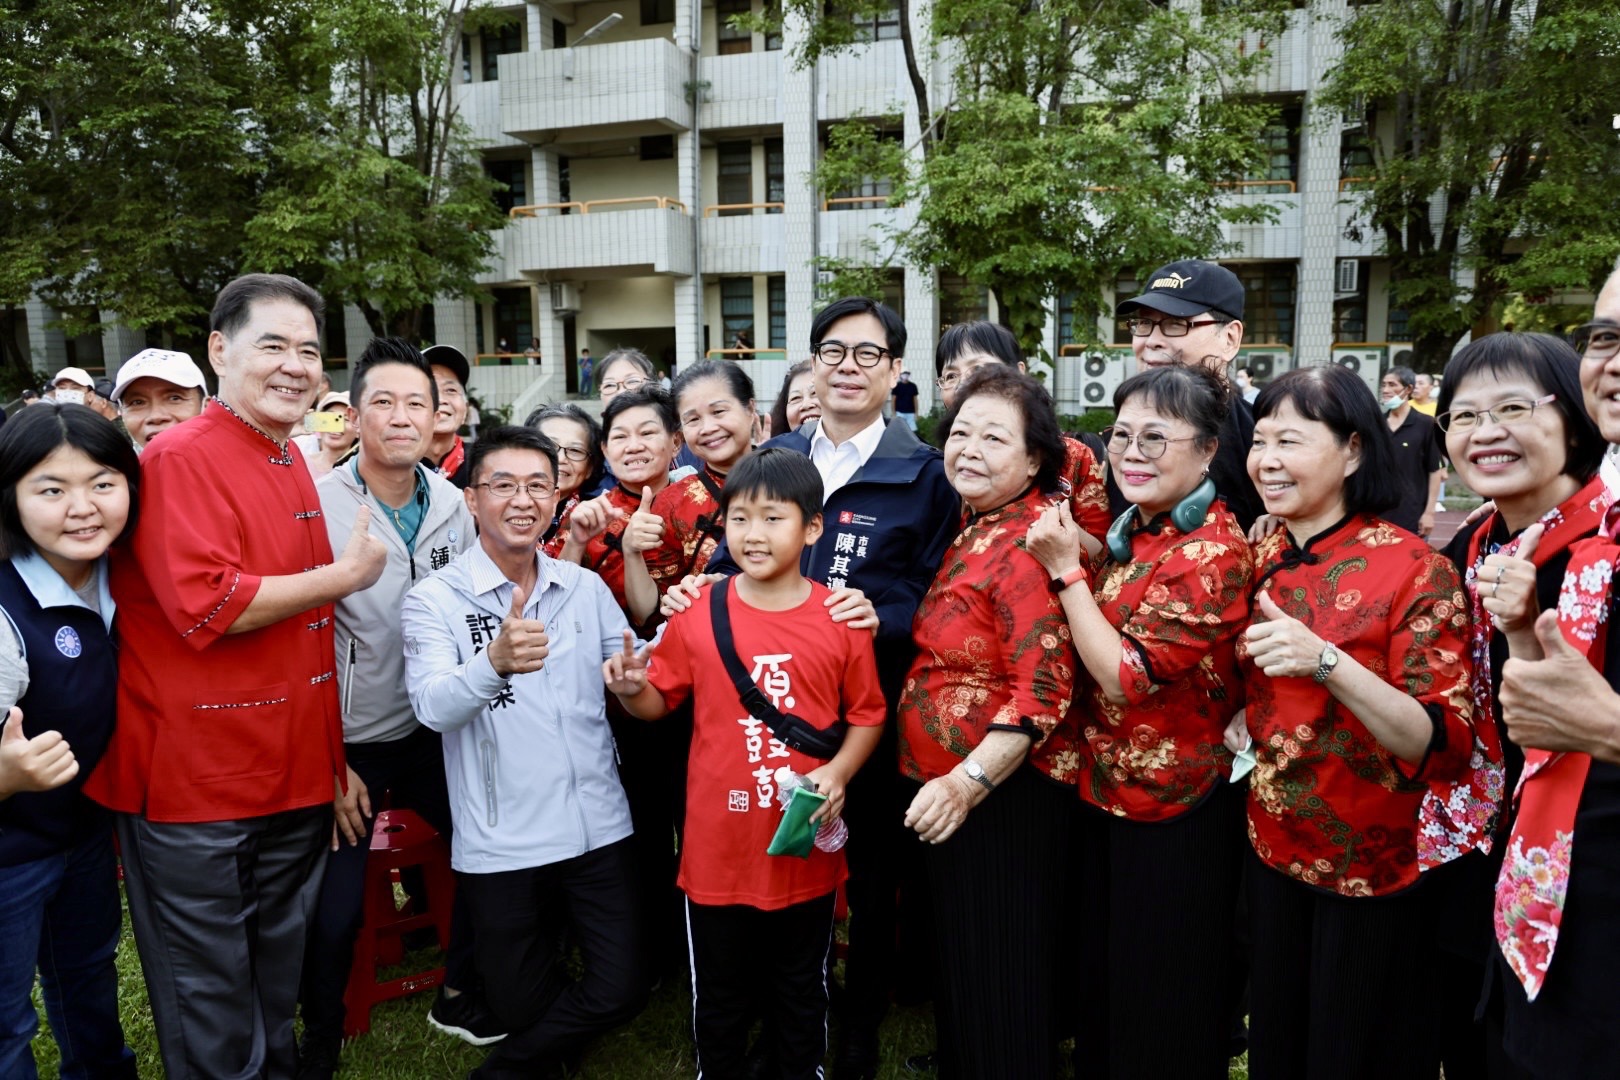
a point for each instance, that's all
(625, 673)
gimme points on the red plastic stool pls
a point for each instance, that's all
(400, 839)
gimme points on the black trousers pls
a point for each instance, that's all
(518, 918)
(1158, 904)
(411, 771)
(652, 768)
(219, 910)
(747, 962)
(999, 909)
(1342, 986)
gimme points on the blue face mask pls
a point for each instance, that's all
(1390, 404)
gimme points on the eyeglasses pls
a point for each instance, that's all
(832, 353)
(949, 381)
(635, 382)
(1151, 443)
(506, 489)
(576, 454)
(1506, 413)
(1167, 327)
(1599, 340)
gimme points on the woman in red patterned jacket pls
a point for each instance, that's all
(984, 732)
(1357, 670)
(1161, 841)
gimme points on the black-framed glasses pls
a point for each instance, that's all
(1152, 444)
(634, 382)
(506, 489)
(1599, 339)
(866, 354)
(1141, 327)
(1506, 413)
(576, 454)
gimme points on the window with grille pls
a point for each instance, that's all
(737, 311)
(1280, 142)
(884, 26)
(729, 39)
(775, 173)
(497, 41)
(1272, 289)
(961, 301)
(514, 176)
(657, 11)
(776, 298)
(734, 179)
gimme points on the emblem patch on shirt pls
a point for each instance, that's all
(455, 537)
(737, 801)
(68, 643)
(850, 517)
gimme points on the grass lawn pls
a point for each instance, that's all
(401, 1045)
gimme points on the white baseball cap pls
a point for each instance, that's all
(333, 397)
(75, 375)
(172, 367)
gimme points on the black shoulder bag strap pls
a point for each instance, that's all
(794, 731)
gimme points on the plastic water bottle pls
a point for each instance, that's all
(829, 838)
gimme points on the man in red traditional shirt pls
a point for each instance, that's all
(229, 740)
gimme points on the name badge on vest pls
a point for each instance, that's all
(68, 643)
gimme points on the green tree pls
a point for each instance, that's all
(1080, 141)
(1493, 152)
(379, 198)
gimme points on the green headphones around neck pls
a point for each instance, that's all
(1188, 514)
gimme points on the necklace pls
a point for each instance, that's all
(284, 458)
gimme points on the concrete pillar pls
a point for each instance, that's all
(47, 346)
(118, 343)
(1319, 212)
(802, 213)
(688, 297)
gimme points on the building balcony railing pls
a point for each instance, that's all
(1266, 187)
(853, 202)
(640, 236)
(733, 209)
(744, 243)
(634, 86)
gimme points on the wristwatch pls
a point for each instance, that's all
(976, 773)
(1329, 661)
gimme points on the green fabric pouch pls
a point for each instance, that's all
(797, 833)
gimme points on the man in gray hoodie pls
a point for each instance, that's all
(423, 522)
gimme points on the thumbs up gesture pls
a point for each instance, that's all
(1560, 702)
(645, 530)
(1280, 644)
(522, 644)
(1507, 585)
(364, 556)
(38, 764)
(625, 673)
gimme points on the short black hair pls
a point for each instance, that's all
(654, 397)
(236, 299)
(510, 437)
(593, 436)
(1043, 439)
(1191, 393)
(776, 473)
(779, 417)
(738, 384)
(1551, 363)
(36, 433)
(1403, 375)
(977, 336)
(1336, 397)
(894, 329)
(390, 350)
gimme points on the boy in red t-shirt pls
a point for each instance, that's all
(760, 926)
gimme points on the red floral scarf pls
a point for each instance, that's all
(1535, 873)
(1460, 816)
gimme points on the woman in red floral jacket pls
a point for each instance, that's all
(1161, 847)
(984, 732)
(1358, 673)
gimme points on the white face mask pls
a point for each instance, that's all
(1390, 404)
(70, 397)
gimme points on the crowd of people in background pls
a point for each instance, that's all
(1161, 744)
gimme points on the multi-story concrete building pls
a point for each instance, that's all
(659, 171)
(661, 196)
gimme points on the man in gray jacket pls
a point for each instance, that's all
(423, 523)
(503, 653)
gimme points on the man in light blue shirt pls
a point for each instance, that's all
(503, 654)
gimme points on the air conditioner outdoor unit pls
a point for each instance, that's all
(1263, 366)
(1348, 277)
(1367, 364)
(1100, 375)
(564, 297)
